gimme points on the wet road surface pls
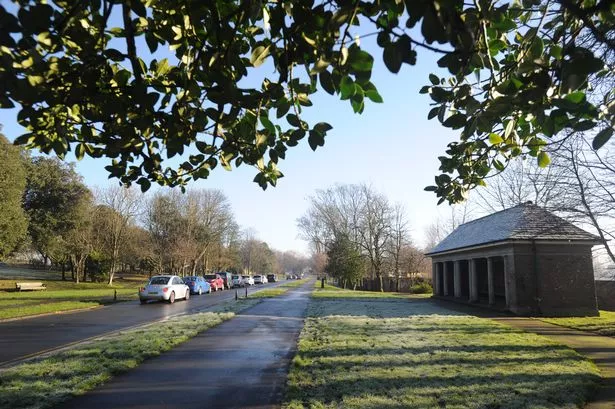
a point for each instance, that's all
(242, 363)
(21, 338)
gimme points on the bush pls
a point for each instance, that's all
(421, 288)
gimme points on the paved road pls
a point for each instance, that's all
(242, 363)
(21, 338)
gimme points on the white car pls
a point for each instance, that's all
(258, 279)
(164, 288)
(247, 280)
(264, 279)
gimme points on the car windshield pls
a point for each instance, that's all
(235, 277)
(210, 276)
(159, 280)
(190, 279)
(257, 276)
(245, 277)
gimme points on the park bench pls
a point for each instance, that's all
(29, 286)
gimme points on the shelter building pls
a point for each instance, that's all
(523, 259)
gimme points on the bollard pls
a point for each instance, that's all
(246, 292)
(236, 297)
(322, 282)
(114, 295)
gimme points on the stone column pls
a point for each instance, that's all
(507, 274)
(445, 278)
(473, 281)
(490, 280)
(434, 277)
(457, 278)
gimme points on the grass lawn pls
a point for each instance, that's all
(60, 296)
(395, 353)
(603, 325)
(46, 382)
(331, 291)
(279, 290)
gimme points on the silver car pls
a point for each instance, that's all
(248, 280)
(164, 288)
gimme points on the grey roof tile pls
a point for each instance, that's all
(523, 222)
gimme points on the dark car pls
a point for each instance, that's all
(227, 278)
(272, 278)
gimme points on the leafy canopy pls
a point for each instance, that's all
(90, 77)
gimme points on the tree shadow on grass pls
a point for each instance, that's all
(519, 390)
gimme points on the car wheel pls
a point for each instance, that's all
(172, 297)
(187, 297)
(143, 301)
(209, 291)
(200, 291)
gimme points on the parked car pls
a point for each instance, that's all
(227, 278)
(238, 281)
(197, 285)
(215, 281)
(164, 288)
(271, 278)
(258, 279)
(247, 280)
(264, 279)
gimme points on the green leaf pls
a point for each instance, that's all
(601, 138)
(316, 139)
(259, 54)
(494, 138)
(435, 80)
(347, 88)
(392, 58)
(293, 120)
(322, 127)
(374, 96)
(575, 97)
(455, 121)
(326, 82)
(543, 159)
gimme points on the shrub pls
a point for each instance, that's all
(421, 288)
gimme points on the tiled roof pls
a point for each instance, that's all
(522, 222)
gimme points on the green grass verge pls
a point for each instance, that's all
(603, 325)
(34, 309)
(61, 296)
(46, 382)
(392, 353)
(295, 283)
(331, 291)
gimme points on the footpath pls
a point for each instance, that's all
(598, 348)
(241, 363)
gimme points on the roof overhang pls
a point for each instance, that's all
(587, 242)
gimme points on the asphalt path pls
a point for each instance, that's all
(22, 338)
(241, 363)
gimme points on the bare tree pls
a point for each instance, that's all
(126, 206)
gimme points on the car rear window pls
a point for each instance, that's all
(235, 277)
(190, 278)
(210, 276)
(159, 280)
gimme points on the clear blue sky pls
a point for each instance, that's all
(391, 145)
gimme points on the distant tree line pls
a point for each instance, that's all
(356, 232)
(46, 209)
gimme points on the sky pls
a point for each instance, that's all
(391, 146)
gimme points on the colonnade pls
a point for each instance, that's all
(459, 277)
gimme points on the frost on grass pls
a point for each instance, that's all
(413, 354)
(46, 382)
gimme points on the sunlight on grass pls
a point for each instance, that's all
(392, 353)
(603, 325)
(331, 291)
(30, 309)
(295, 283)
(268, 293)
(46, 382)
